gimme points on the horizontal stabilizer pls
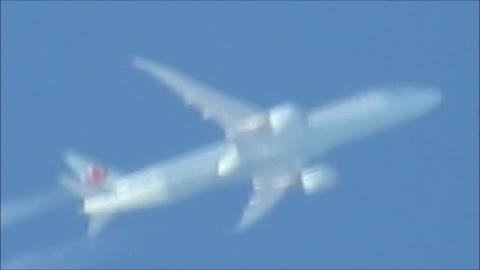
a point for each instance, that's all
(77, 188)
(97, 223)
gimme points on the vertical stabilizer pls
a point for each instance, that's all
(87, 178)
(87, 170)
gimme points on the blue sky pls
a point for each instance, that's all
(407, 198)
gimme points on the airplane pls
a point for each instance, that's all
(273, 147)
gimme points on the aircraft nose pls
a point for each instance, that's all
(414, 100)
(418, 98)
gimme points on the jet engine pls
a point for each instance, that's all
(283, 117)
(229, 162)
(317, 179)
(278, 119)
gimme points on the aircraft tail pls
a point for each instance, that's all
(87, 178)
(82, 191)
(86, 170)
(77, 188)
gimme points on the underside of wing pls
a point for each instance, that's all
(224, 110)
(268, 190)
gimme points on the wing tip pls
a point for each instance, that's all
(140, 62)
(159, 70)
(240, 228)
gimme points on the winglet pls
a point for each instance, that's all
(139, 61)
(143, 63)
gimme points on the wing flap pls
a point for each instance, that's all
(268, 190)
(224, 110)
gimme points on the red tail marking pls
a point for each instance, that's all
(97, 176)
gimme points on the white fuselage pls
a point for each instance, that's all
(325, 128)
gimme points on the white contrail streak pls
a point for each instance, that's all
(19, 210)
(73, 254)
(79, 253)
(64, 255)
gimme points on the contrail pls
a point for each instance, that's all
(76, 253)
(19, 210)
(42, 258)
(72, 254)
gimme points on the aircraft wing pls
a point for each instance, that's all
(268, 190)
(224, 110)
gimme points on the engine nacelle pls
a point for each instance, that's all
(230, 162)
(284, 117)
(278, 120)
(318, 179)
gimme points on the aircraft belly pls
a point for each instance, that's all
(125, 199)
